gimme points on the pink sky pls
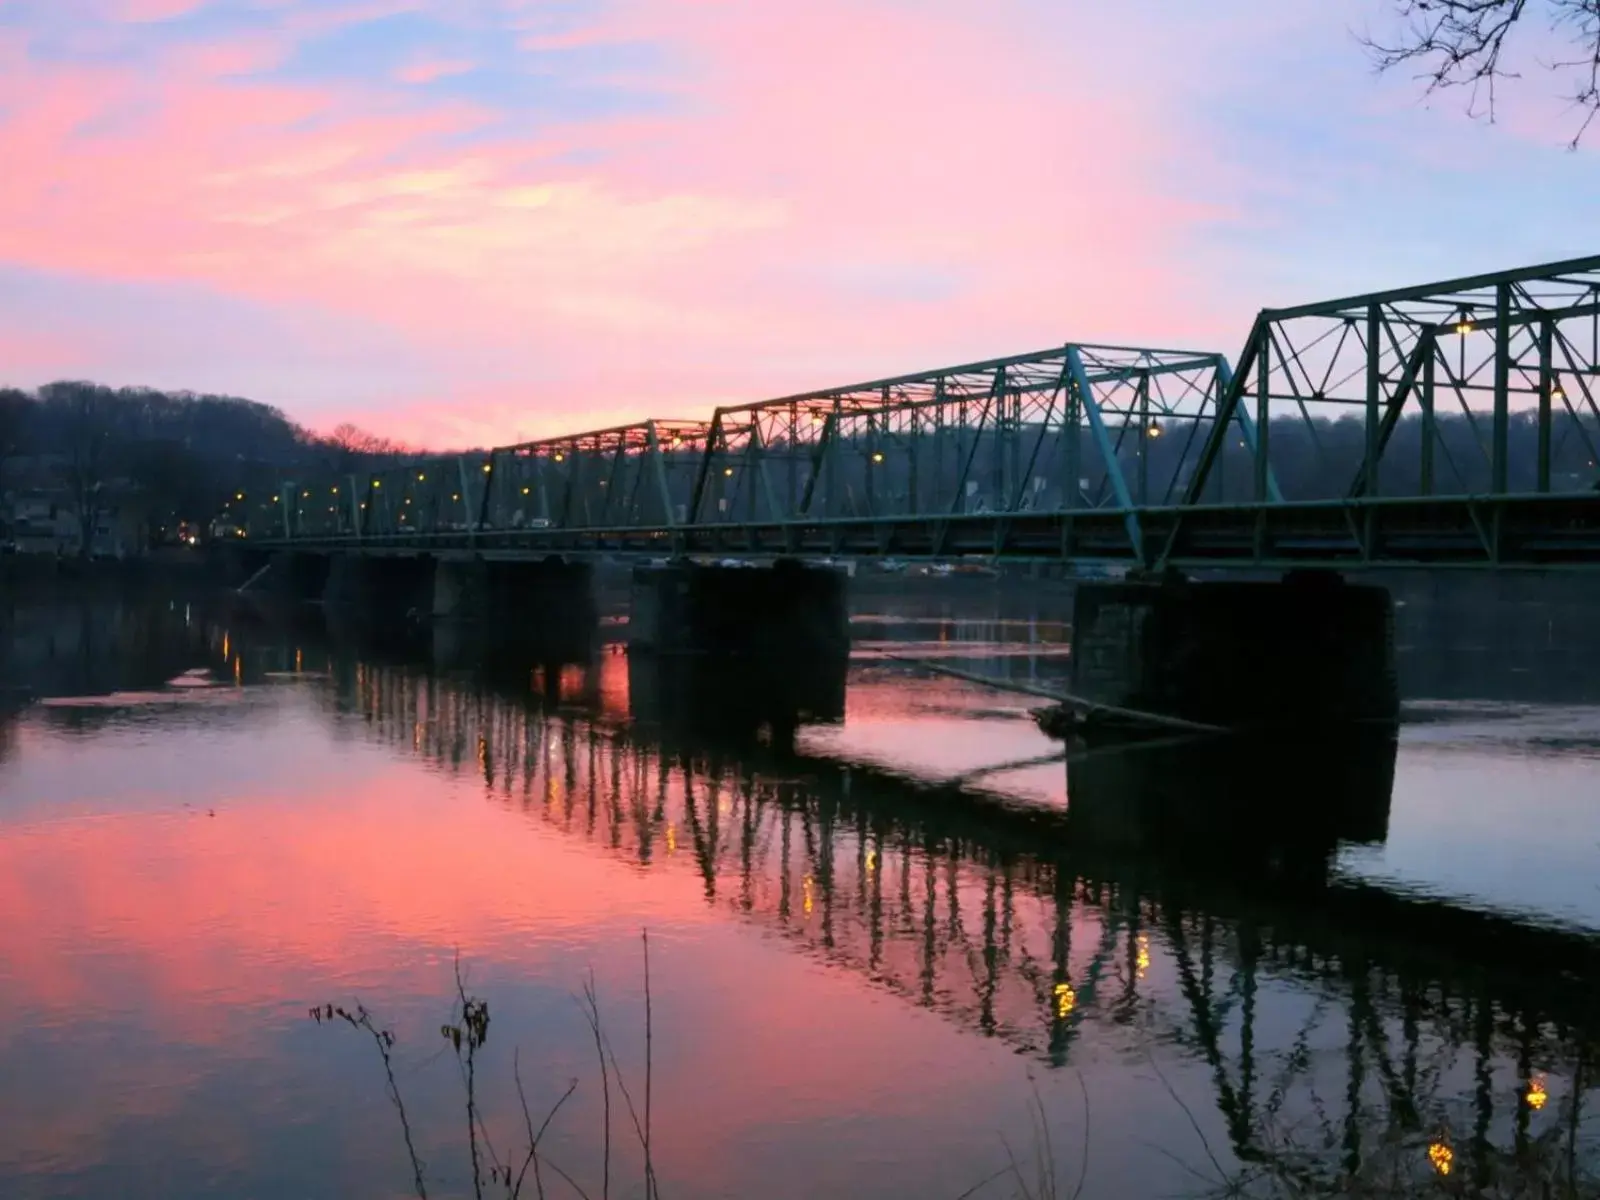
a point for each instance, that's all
(473, 220)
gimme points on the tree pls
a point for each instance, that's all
(349, 445)
(16, 413)
(1469, 44)
(83, 418)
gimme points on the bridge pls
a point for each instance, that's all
(1451, 424)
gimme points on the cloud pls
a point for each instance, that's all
(431, 70)
(650, 205)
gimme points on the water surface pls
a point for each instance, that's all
(883, 916)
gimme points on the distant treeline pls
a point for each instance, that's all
(173, 456)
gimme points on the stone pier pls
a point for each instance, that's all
(548, 604)
(1305, 651)
(787, 612)
(382, 589)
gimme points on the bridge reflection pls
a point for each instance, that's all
(1184, 895)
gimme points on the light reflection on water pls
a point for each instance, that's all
(863, 941)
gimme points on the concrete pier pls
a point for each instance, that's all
(299, 576)
(1307, 650)
(786, 612)
(548, 604)
(385, 590)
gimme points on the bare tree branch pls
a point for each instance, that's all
(1467, 44)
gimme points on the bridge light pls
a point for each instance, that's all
(676, 441)
(1442, 1157)
(306, 495)
(877, 456)
(377, 483)
(526, 490)
(727, 471)
(455, 495)
(1153, 430)
(274, 499)
(487, 467)
(1555, 388)
(333, 491)
(1066, 1000)
(1536, 1095)
(408, 499)
(238, 495)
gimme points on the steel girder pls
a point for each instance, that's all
(1480, 387)
(1484, 385)
(1072, 427)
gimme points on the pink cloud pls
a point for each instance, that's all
(841, 189)
(156, 10)
(432, 70)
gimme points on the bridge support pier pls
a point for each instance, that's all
(299, 575)
(383, 589)
(548, 604)
(1306, 651)
(788, 612)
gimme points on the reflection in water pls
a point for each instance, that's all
(1384, 1015)
(1176, 908)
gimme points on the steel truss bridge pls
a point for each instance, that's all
(1449, 424)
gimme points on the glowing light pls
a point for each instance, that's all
(1555, 390)
(1536, 1095)
(672, 840)
(525, 491)
(408, 499)
(377, 483)
(727, 470)
(805, 888)
(487, 467)
(877, 456)
(559, 457)
(1066, 1000)
(1464, 326)
(333, 491)
(1153, 430)
(1442, 1157)
(306, 495)
(422, 477)
(455, 495)
(872, 860)
(274, 499)
(676, 441)
(1142, 962)
(238, 495)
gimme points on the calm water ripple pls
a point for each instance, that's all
(886, 917)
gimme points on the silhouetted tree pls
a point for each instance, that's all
(16, 413)
(349, 445)
(84, 421)
(1470, 44)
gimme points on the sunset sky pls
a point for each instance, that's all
(475, 220)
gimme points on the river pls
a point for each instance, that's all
(893, 943)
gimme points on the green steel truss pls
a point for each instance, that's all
(1464, 398)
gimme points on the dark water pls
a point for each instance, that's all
(886, 919)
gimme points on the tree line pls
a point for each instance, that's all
(169, 457)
